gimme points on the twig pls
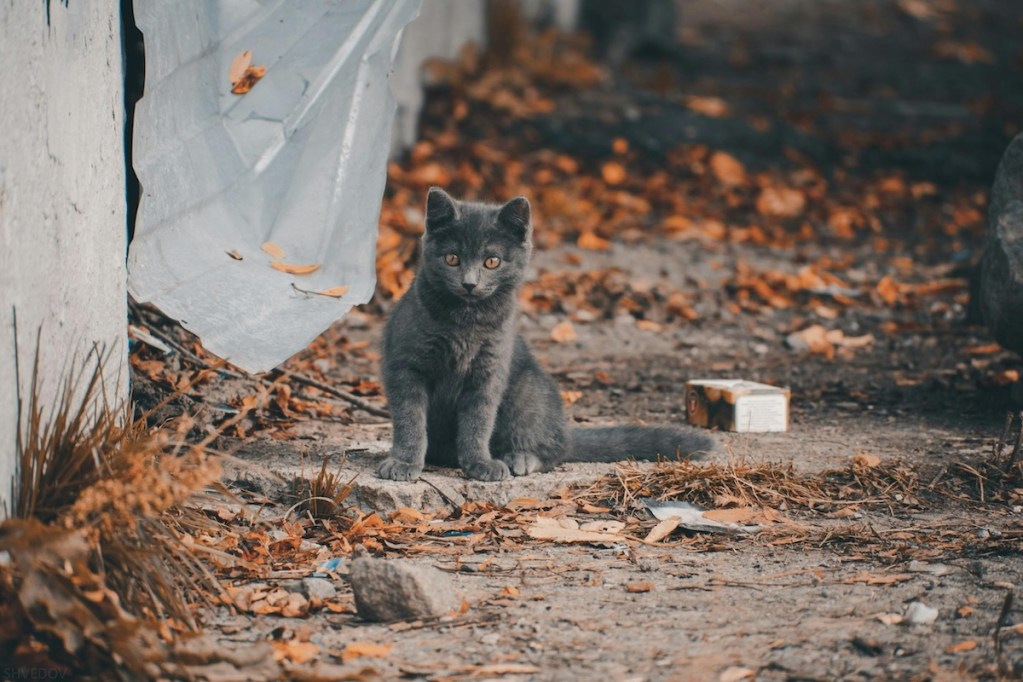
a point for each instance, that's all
(1005, 435)
(166, 338)
(1003, 618)
(1014, 457)
(454, 505)
(363, 405)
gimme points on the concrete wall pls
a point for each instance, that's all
(62, 208)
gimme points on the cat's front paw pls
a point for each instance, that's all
(396, 470)
(487, 470)
(522, 463)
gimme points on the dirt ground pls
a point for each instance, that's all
(926, 91)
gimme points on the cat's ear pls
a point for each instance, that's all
(440, 208)
(515, 216)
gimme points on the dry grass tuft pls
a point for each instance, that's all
(96, 547)
(323, 497)
(773, 485)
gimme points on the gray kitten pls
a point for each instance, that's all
(464, 388)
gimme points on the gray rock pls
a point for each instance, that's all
(320, 589)
(1000, 287)
(398, 589)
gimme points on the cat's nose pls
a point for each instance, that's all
(469, 286)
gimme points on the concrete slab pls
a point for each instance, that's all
(272, 464)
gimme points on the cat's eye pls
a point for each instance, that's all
(492, 263)
(451, 259)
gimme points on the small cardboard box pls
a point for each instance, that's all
(736, 405)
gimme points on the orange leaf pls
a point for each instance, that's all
(986, 349)
(727, 169)
(365, 650)
(569, 397)
(1005, 377)
(781, 202)
(613, 173)
(239, 65)
(662, 530)
(563, 332)
(620, 145)
(715, 107)
(888, 290)
(637, 587)
(589, 240)
(961, 647)
(294, 269)
(336, 292)
(272, 250)
(252, 76)
(294, 651)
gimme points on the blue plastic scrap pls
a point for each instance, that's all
(298, 161)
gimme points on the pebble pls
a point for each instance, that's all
(918, 613)
(320, 589)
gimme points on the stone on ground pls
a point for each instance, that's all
(397, 589)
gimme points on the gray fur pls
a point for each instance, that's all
(463, 387)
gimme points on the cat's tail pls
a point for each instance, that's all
(615, 443)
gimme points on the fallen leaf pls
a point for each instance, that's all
(961, 647)
(874, 579)
(781, 202)
(294, 651)
(239, 65)
(593, 242)
(294, 269)
(570, 397)
(648, 326)
(714, 107)
(603, 526)
(727, 169)
(964, 611)
(253, 75)
(918, 9)
(365, 650)
(234, 254)
(613, 173)
(504, 669)
(510, 591)
(272, 250)
(986, 349)
(662, 530)
(639, 587)
(736, 674)
(1005, 377)
(566, 530)
(620, 145)
(866, 460)
(888, 290)
(563, 332)
(890, 618)
(336, 292)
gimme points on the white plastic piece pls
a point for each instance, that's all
(299, 161)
